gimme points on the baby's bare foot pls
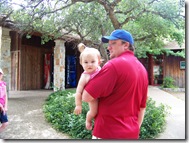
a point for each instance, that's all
(88, 125)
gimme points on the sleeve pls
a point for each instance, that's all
(4, 83)
(144, 99)
(145, 93)
(103, 83)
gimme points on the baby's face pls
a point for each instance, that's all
(90, 62)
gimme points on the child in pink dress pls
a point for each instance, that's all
(3, 103)
(90, 60)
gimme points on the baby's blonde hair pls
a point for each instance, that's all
(88, 51)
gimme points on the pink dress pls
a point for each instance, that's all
(92, 75)
(2, 92)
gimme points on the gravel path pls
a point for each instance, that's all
(26, 118)
(179, 95)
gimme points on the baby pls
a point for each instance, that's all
(90, 60)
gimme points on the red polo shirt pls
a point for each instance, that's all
(121, 87)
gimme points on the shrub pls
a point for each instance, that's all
(154, 120)
(168, 82)
(58, 110)
(60, 105)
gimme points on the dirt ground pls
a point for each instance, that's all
(179, 95)
(26, 118)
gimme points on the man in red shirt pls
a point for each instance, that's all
(121, 89)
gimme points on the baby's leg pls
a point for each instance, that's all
(93, 108)
(4, 121)
(3, 126)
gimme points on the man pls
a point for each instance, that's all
(121, 89)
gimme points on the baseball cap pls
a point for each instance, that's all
(1, 71)
(119, 34)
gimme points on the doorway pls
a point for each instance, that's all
(73, 69)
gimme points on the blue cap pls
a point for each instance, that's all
(119, 34)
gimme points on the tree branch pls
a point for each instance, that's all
(143, 38)
(109, 8)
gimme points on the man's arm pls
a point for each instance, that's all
(86, 97)
(141, 116)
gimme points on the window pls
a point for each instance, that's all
(182, 65)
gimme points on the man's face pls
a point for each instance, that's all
(117, 47)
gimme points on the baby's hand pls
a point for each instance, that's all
(78, 110)
(5, 109)
(2, 109)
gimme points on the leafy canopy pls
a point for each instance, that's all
(149, 21)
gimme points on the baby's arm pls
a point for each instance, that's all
(93, 109)
(78, 96)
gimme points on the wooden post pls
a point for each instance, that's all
(150, 72)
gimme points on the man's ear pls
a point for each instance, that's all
(126, 46)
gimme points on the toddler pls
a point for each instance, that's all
(90, 60)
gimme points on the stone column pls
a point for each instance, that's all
(59, 65)
(5, 56)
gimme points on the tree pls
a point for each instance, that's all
(150, 21)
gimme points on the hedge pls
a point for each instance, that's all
(59, 106)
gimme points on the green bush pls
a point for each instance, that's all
(58, 110)
(154, 120)
(60, 105)
(168, 82)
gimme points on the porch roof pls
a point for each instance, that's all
(174, 46)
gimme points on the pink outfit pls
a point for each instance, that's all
(2, 92)
(92, 75)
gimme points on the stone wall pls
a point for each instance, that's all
(59, 65)
(5, 55)
(59, 60)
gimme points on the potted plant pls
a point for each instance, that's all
(156, 79)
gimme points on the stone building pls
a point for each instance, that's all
(29, 65)
(5, 58)
(24, 65)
